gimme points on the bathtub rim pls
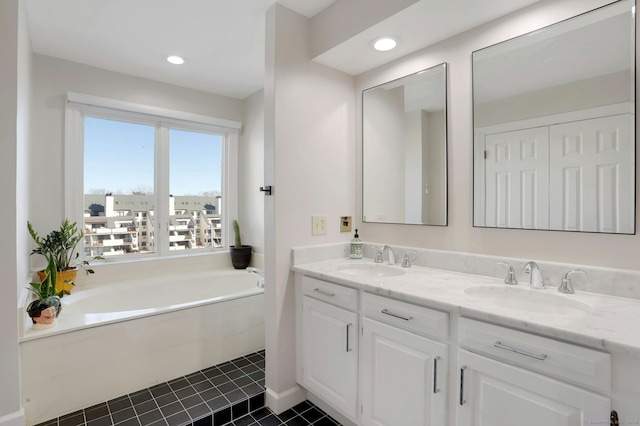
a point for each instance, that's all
(27, 333)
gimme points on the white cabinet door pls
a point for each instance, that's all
(330, 354)
(497, 394)
(517, 179)
(403, 377)
(592, 175)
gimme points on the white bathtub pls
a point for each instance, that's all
(120, 338)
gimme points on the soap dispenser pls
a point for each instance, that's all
(356, 247)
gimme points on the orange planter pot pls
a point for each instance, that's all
(68, 275)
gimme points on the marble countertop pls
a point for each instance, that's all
(603, 322)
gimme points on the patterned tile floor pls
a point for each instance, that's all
(230, 394)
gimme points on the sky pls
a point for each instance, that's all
(119, 158)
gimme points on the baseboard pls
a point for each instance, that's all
(280, 402)
(14, 419)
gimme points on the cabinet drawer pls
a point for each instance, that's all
(562, 360)
(420, 320)
(335, 294)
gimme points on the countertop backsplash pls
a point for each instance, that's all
(609, 281)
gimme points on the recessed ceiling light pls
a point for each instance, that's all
(383, 44)
(175, 60)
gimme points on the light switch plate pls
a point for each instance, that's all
(318, 225)
(345, 223)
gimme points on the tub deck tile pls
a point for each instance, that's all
(229, 394)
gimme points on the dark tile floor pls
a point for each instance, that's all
(230, 394)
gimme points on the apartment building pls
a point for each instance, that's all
(119, 224)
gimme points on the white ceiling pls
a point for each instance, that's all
(420, 25)
(223, 40)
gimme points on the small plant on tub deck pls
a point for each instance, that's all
(44, 310)
(236, 232)
(240, 254)
(61, 244)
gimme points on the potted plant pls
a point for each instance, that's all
(61, 245)
(240, 254)
(44, 310)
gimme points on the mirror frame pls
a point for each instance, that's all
(445, 153)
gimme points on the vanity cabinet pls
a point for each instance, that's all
(387, 347)
(403, 374)
(498, 394)
(384, 362)
(330, 352)
(558, 384)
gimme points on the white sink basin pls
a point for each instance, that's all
(547, 301)
(369, 270)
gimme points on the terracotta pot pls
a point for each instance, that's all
(68, 275)
(240, 256)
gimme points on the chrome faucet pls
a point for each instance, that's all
(259, 273)
(406, 260)
(566, 287)
(391, 255)
(511, 274)
(536, 276)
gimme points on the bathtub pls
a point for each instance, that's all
(116, 339)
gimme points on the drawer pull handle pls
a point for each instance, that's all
(402, 317)
(324, 293)
(500, 345)
(435, 375)
(349, 349)
(462, 401)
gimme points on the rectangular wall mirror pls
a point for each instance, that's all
(554, 126)
(404, 149)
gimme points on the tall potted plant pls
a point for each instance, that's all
(61, 244)
(46, 307)
(240, 254)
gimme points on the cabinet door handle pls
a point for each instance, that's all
(500, 345)
(402, 317)
(462, 401)
(435, 375)
(324, 293)
(349, 349)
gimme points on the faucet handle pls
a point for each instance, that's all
(565, 286)
(406, 261)
(511, 274)
(378, 256)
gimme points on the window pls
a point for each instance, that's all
(148, 184)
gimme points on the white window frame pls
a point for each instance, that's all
(80, 105)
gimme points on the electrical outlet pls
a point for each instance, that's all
(345, 223)
(318, 225)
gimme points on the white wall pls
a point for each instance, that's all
(413, 159)
(620, 251)
(595, 92)
(309, 160)
(435, 174)
(53, 78)
(251, 159)
(385, 132)
(15, 83)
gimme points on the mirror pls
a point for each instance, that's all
(554, 126)
(404, 149)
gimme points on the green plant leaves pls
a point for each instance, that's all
(47, 288)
